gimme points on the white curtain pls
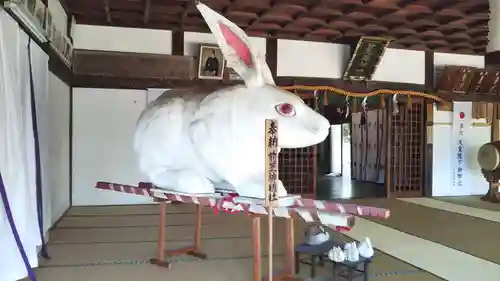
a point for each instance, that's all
(17, 159)
(40, 69)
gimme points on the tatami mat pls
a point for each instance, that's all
(471, 201)
(477, 237)
(89, 244)
(455, 208)
(435, 258)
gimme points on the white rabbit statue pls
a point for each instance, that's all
(193, 140)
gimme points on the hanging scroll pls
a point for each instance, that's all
(366, 58)
(271, 139)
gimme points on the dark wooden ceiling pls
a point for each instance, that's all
(459, 26)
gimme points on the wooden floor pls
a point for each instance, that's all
(419, 242)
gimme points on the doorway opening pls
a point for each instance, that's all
(356, 156)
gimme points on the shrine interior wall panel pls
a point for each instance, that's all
(122, 39)
(401, 66)
(369, 146)
(441, 138)
(58, 173)
(312, 59)
(443, 156)
(193, 40)
(103, 129)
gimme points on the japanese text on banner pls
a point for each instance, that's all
(271, 160)
(460, 127)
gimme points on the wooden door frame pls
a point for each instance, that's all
(389, 177)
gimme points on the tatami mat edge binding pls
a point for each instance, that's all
(192, 259)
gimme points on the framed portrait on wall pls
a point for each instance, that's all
(211, 63)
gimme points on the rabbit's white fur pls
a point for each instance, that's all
(189, 140)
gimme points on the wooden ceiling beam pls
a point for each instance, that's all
(312, 6)
(65, 7)
(186, 6)
(252, 23)
(147, 11)
(133, 65)
(403, 3)
(443, 4)
(311, 20)
(229, 7)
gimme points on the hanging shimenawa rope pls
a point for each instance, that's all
(362, 95)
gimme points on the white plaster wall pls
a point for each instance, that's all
(103, 129)
(193, 40)
(442, 59)
(311, 59)
(401, 66)
(59, 116)
(336, 149)
(443, 156)
(327, 60)
(59, 16)
(121, 39)
(441, 138)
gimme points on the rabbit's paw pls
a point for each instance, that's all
(185, 181)
(190, 182)
(281, 190)
(258, 190)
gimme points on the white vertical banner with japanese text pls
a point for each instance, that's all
(461, 129)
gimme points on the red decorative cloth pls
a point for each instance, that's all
(229, 198)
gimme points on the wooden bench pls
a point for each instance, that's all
(345, 270)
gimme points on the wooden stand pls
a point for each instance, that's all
(189, 250)
(286, 274)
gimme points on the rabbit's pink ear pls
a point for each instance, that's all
(235, 46)
(241, 49)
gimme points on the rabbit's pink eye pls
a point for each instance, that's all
(286, 109)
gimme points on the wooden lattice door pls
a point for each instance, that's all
(297, 167)
(407, 149)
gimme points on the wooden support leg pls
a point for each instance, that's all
(257, 254)
(193, 250)
(286, 274)
(290, 245)
(160, 259)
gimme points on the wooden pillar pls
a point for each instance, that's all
(178, 43)
(272, 56)
(429, 120)
(388, 150)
